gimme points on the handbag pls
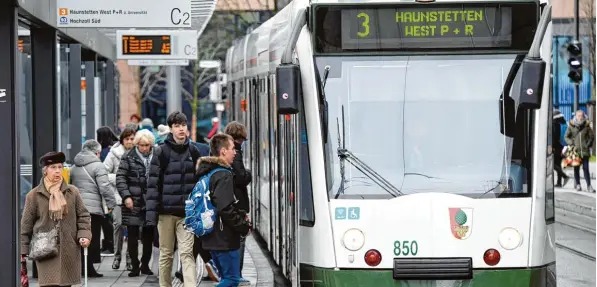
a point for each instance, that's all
(44, 245)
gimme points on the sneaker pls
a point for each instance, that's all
(590, 189)
(578, 188)
(212, 271)
(178, 275)
(116, 264)
(244, 282)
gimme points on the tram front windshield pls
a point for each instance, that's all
(423, 123)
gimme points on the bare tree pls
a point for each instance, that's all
(198, 76)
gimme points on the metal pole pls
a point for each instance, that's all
(174, 100)
(219, 98)
(577, 35)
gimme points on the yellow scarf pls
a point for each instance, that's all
(57, 200)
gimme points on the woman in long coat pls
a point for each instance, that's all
(112, 162)
(131, 181)
(53, 201)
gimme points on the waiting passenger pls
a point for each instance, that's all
(580, 135)
(131, 181)
(231, 222)
(171, 180)
(242, 178)
(90, 176)
(112, 162)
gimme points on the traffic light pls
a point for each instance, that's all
(575, 62)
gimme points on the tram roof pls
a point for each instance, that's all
(415, 1)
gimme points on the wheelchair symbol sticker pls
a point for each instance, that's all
(354, 213)
(340, 213)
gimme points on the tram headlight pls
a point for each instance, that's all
(510, 238)
(353, 239)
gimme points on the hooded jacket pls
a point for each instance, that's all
(95, 186)
(581, 136)
(171, 179)
(230, 220)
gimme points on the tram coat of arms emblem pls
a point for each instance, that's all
(461, 222)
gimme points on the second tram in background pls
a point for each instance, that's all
(409, 138)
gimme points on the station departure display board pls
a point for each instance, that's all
(146, 45)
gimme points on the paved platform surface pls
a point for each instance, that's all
(576, 208)
(256, 269)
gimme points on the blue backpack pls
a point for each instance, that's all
(200, 214)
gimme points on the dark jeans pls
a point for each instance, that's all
(198, 250)
(133, 245)
(94, 251)
(585, 169)
(228, 263)
(557, 165)
(108, 229)
(241, 253)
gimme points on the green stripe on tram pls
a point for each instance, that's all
(320, 277)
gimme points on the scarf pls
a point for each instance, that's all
(57, 200)
(580, 123)
(146, 158)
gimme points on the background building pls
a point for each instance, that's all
(563, 32)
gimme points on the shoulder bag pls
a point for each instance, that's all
(44, 245)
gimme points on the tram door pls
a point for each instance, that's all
(272, 171)
(288, 138)
(254, 147)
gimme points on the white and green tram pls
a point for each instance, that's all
(401, 143)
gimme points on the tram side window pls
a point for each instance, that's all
(307, 215)
(327, 149)
(549, 177)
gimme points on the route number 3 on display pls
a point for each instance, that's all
(406, 248)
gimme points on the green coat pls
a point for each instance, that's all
(581, 137)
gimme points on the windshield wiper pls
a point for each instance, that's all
(326, 73)
(346, 155)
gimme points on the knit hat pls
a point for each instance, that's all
(163, 130)
(147, 122)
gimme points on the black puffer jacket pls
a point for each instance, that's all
(230, 221)
(242, 178)
(132, 182)
(171, 179)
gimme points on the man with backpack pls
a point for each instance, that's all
(171, 180)
(242, 178)
(223, 238)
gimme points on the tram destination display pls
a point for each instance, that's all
(146, 45)
(445, 26)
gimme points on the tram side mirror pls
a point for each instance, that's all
(507, 116)
(531, 84)
(288, 88)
